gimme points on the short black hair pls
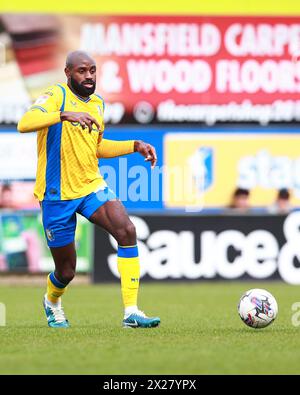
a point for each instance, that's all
(241, 192)
(283, 194)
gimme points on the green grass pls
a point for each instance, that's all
(200, 332)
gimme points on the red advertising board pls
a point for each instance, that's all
(197, 68)
(177, 68)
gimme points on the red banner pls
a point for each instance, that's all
(197, 68)
(169, 69)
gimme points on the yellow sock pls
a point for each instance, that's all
(129, 269)
(54, 288)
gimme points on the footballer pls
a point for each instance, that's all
(68, 119)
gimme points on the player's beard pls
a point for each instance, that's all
(82, 90)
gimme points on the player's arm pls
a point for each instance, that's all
(113, 148)
(44, 112)
(35, 119)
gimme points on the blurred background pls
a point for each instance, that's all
(215, 90)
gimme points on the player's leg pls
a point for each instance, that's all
(57, 281)
(113, 217)
(59, 220)
(65, 265)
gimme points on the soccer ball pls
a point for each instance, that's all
(257, 308)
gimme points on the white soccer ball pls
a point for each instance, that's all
(258, 308)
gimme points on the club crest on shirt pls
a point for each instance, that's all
(73, 103)
(50, 235)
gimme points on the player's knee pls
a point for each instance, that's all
(127, 234)
(66, 275)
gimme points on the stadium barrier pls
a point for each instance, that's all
(194, 248)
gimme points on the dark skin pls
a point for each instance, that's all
(111, 216)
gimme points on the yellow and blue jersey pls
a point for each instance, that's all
(67, 154)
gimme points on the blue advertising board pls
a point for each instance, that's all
(197, 167)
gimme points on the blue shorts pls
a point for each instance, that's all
(59, 217)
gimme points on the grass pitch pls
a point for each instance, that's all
(200, 333)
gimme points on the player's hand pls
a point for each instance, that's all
(85, 119)
(147, 150)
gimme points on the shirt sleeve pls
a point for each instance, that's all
(113, 148)
(44, 112)
(50, 101)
